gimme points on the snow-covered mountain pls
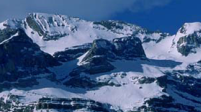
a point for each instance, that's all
(57, 63)
(52, 32)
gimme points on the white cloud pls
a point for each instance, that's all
(89, 9)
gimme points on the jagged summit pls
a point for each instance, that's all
(188, 38)
(190, 28)
(11, 23)
(52, 31)
(51, 27)
(49, 31)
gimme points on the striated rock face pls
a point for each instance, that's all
(34, 25)
(42, 23)
(72, 104)
(59, 104)
(21, 58)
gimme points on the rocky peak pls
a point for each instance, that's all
(100, 47)
(129, 47)
(51, 27)
(190, 28)
(188, 38)
(123, 48)
(11, 24)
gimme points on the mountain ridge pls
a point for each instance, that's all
(57, 63)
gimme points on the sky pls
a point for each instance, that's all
(164, 15)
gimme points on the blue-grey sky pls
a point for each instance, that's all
(168, 18)
(164, 15)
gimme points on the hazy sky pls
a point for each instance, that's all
(166, 15)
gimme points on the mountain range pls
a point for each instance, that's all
(56, 63)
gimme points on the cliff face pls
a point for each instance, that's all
(21, 58)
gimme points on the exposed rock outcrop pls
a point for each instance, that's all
(20, 57)
(72, 52)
